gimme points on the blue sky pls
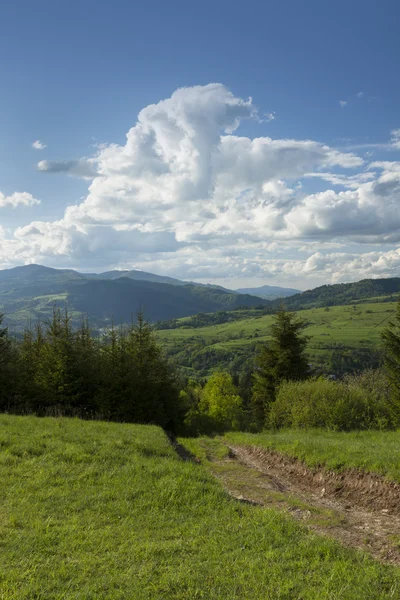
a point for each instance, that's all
(76, 75)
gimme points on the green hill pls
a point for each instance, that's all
(269, 292)
(341, 338)
(30, 292)
(345, 293)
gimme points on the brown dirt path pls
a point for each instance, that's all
(360, 510)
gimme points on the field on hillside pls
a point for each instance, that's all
(93, 510)
(352, 330)
(372, 451)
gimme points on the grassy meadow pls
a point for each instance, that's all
(94, 510)
(373, 451)
(350, 327)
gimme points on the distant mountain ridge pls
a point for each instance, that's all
(35, 273)
(269, 292)
(344, 293)
(31, 291)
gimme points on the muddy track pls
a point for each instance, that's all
(361, 510)
(364, 508)
(352, 487)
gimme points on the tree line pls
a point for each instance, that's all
(58, 370)
(123, 375)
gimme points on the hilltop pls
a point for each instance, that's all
(269, 292)
(345, 293)
(30, 292)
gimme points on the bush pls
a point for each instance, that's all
(357, 402)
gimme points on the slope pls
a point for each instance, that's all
(100, 510)
(345, 293)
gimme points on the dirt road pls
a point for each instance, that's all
(360, 510)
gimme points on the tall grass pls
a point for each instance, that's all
(373, 451)
(92, 511)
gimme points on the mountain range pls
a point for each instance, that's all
(31, 291)
(269, 292)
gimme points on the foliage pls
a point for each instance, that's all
(344, 339)
(391, 343)
(221, 403)
(122, 376)
(29, 293)
(214, 408)
(344, 293)
(357, 402)
(94, 511)
(282, 358)
(6, 371)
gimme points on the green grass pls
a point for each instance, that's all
(351, 327)
(352, 324)
(90, 510)
(373, 451)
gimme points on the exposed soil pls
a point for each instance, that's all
(361, 510)
(355, 488)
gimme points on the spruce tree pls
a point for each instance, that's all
(156, 398)
(29, 355)
(6, 373)
(283, 358)
(391, 343)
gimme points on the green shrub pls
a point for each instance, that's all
(357, 402)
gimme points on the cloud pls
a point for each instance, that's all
(17, 199)
(191, 195)
(395, 139)
(270, 116)
(360, 94)
(342, 103)
(83, 168)
(38, 145)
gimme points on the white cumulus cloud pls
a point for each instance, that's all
(38, 145)
(17, 199)
(190, 193)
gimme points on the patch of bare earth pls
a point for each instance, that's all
(361, 510)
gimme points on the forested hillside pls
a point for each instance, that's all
(345, 293)
(30, 293)
(342, 339)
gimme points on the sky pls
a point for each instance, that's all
(240, 144)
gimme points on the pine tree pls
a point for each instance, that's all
(55, 371)
(155, 398)
(283, 358)
(391, 343)
(85, 363)
(6, 374)
(29, 355)
(116, 390)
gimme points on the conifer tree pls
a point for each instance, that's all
(116, 391)
(283, 358)
(85, 369)
(29, 355)
(156, 394)
(6, 374)
(391, 343)
(55, 372)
